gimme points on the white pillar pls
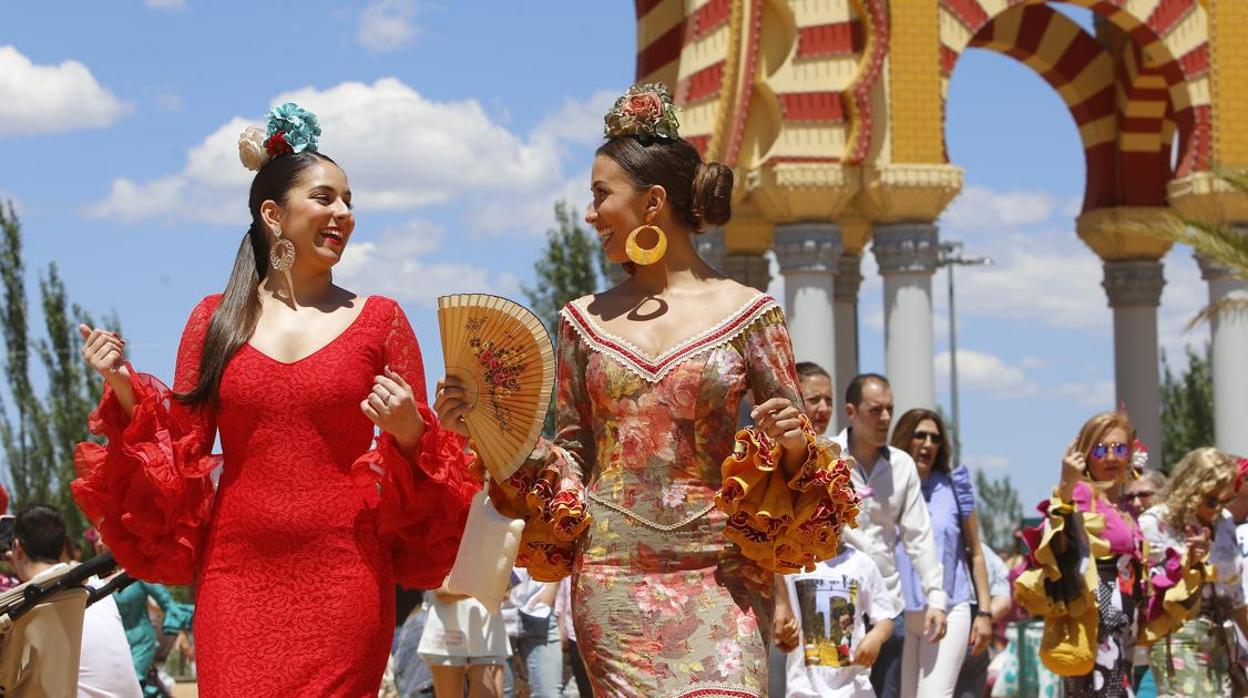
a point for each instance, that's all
(1229, 359)
(1134, 290)
(808, 254)
(710, 246)
(906, 254)
(845, 310)
(749, 269)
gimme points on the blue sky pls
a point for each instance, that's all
(459, 125)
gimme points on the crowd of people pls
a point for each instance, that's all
(692, 527)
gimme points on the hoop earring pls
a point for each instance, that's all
(640, 255)
(282, 253)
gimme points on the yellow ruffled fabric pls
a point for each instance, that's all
(1178, 604)
(786, 524)
(1029, 589)
(551, 500)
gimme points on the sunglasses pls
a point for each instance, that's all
(1132, 496)
(1102, 450)
(1213, 501)
(926, 436)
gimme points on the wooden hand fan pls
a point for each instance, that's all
(503, 354)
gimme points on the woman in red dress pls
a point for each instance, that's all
(295, 553)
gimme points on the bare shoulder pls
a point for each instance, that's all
(728, 295)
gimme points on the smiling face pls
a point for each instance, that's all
(317, 216)
(617, 208)
(1109, 458)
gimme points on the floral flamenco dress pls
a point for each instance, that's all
(631, 499)
(295, 553)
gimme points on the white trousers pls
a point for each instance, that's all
(931, 669)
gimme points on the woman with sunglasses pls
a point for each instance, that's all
(1190, 530)
(931, 669)
(1096, 466)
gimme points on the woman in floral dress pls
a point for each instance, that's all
(651, 375)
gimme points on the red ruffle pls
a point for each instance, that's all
(147, 490)
(422, 506)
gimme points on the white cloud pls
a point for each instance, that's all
(387, 25)
(979, 209)
(395, 265)
(401, 150)
(51, 98)
(165, 4)
(982, 372)
(578, 121)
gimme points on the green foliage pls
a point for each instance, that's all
(999, 510)
(37, 440)
(571, 266)
(1186, 408)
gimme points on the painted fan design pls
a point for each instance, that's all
(503, 354)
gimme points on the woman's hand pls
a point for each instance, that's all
(105, 354)
(784, 629)
(1074, 467)
(452, 405)
(1197, 543)
(392, 407)
(779, 419)
(981, 633)
(184, 646)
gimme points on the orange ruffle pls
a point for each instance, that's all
(147, 490)
(544, 493)
(422, 506)
(786, 525)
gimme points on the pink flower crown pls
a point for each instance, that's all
(646, 111)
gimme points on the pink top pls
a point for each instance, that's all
(1121, 531)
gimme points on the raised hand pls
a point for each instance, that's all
(1197, 543)
(1074, 468)
(392, 407)
(452, 405)
(779, 419)
(105, 353)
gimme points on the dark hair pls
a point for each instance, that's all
(810, 369)
(904, 432)
(234, 320)
(853, 393)
(41, 531)
(700, 193)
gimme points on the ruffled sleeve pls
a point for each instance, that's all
(548, 489)
(422, 502)
(1174, 584)
(783, 523)
(178, 615)
(1061, 577)
(963, 490)
(147, 488)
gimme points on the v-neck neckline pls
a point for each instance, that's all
(653, 368)
(351, 325)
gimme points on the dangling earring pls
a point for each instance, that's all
(282, 253)
(640, 255)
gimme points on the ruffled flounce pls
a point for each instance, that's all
(545, 493)
(1175, 597)
(422, 505)
(178, 616)
(785, 524)
(1061, 577)
(147, 489)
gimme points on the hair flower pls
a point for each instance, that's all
(251, 148)
(298, 127)
(646, 111)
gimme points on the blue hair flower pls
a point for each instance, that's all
(298, 126)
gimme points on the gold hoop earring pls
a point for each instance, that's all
(640, 255)
(282, 253)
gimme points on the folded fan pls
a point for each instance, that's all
(503, 354)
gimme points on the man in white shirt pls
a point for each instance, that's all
(892, 503)
(105, 669)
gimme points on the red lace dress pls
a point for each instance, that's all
(295, 553)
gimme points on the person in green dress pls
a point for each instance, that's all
(133, 602)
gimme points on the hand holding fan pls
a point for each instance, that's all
(503, 355)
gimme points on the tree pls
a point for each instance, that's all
(1186, 408)
(1223, 244)
(571, 266)
(999, 510)
(38, 447)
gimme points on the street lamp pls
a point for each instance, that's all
(950, 256)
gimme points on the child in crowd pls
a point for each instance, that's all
(819, 623)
